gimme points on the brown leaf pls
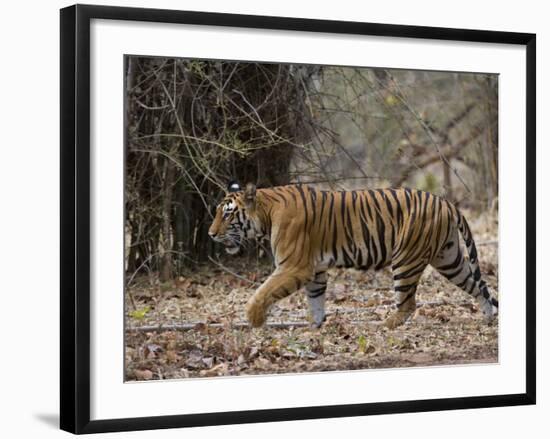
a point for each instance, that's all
(373, 300)
(194, 359)
(370, 349)
(183, 283)
(253, 352)
(262, 362)
(208, 361)
(420, 357)
(151, 351)
(200, 327)
(218, 370)
(172, 356)
(145, 374)
(339, 293)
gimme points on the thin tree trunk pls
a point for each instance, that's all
(447, 183)
(166, 269)
(131, 265)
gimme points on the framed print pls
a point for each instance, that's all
(271, 218)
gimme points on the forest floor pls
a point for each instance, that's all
(195, 326)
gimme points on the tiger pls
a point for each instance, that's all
(311, 230)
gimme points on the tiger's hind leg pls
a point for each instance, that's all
(315, 291)
(452, 264)
(405, 282)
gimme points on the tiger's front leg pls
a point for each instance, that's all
(279, 285)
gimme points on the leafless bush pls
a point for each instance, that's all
(194, 125)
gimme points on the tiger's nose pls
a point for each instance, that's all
(211, 234)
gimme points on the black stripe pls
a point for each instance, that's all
(399, 305)
(398, 207)
(408, 199)
(412, 220)
(334, 242)
(403, 288)
(359, 257)
(343, 207)
(412, 271)
(323, 201)
(347, 259)
(331, 209)
(463, 283)
(291, 193)
(323, 240)
(373, 248)
(477, 274)
(303, 197)
(349, 230)
(388, 202)
(381, 234)
(285, 259)
(269, 197)
(313, 196)
(353, 199)
(454, 274)
(473, 255)
(366, 240)
(453, 264)
(313, 294)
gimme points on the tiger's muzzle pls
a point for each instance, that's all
(232, 242)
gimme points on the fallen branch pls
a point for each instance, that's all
(479, 244)
(377, 324)
(236, 325)
(281, 325)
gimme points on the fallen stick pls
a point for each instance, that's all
(479, 244)
(236, 325)
(197, 325)
(286, 325)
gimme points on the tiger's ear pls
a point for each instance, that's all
(233, 186)
(250, 196)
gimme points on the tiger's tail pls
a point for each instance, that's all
(490, 303)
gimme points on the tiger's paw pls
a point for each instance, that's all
(255, 313)
(395, 320)
(490, 311)
(316, 323)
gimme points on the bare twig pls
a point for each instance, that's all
(429, 133)
(479, 244)
(224, 268)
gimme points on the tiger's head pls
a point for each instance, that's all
(235, 218)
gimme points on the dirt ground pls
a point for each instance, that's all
(203, 332)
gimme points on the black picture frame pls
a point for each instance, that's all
(75, 217)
